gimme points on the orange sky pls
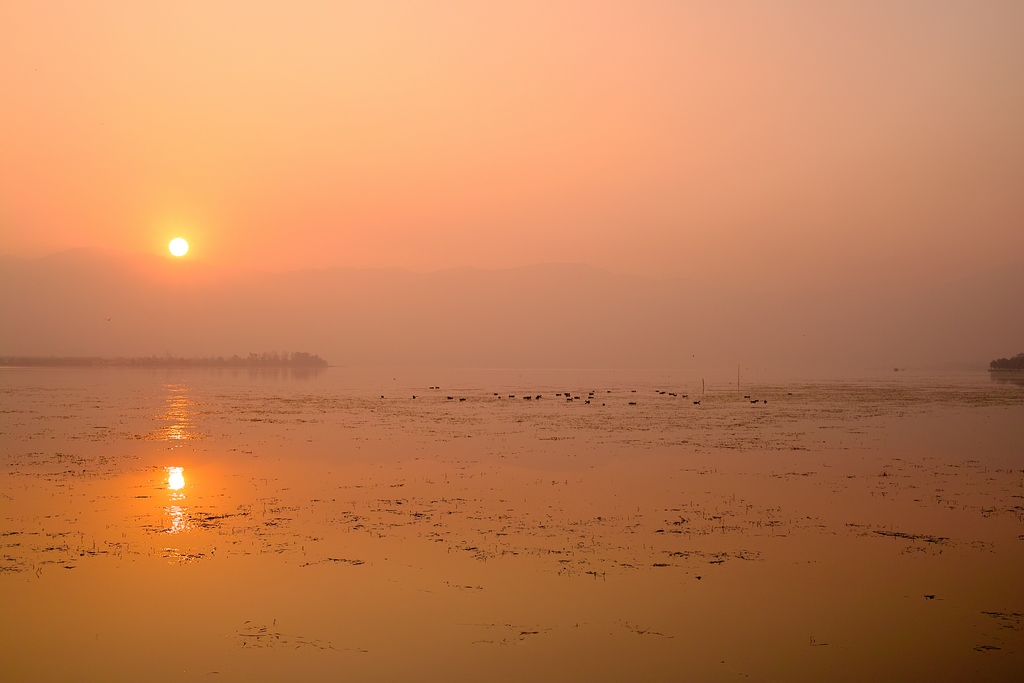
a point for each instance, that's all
(711, 140)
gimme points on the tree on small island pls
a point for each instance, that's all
(1015, 363)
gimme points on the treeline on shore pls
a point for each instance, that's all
(298, 359)
(1015, 363)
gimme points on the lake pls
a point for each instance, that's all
(509, 525)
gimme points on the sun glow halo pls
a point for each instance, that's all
(178, 246)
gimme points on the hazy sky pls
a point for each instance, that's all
(717, 140)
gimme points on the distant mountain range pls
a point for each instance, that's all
(102, 303)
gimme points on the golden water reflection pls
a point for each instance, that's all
(178, 413)
(176, 483)
(178, 518)
(177, 515)
(579, 542)
(175, 478)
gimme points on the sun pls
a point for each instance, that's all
(178, 246)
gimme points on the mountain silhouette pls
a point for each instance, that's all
(92, 302)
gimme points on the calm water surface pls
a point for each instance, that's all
(181, 525)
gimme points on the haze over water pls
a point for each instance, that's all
(525, 341)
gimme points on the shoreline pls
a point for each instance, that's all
(234, 363)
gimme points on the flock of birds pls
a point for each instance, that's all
(570, 396)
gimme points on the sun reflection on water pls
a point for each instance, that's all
(179, 520)
(178, 516)
(175, 478)
(178, 413)
(176, 482)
